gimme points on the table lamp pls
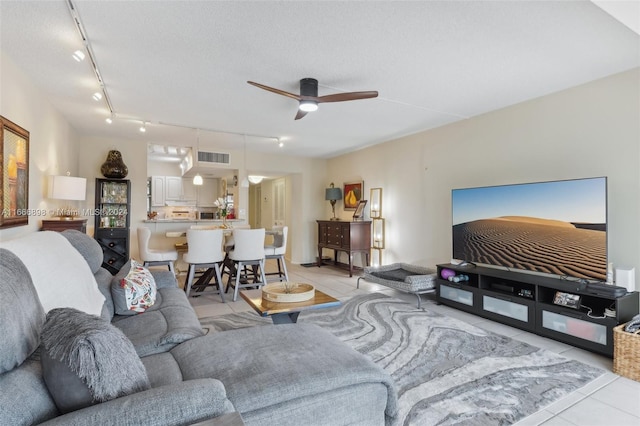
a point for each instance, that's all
(332, 195)
(67, 188)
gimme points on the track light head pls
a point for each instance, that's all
(78, 55)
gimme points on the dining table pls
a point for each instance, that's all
(205, 278)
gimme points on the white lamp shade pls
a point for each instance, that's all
(197, 180)
(67, 188)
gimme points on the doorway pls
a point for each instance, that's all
(268, 203)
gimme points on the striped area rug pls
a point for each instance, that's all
(446, 370)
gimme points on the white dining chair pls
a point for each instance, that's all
(205, 251)
(154, 257)
(248, 250)
(276, 251)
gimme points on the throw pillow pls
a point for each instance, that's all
(86, 360)
(134, 292)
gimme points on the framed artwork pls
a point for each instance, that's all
(14, 174)
(352, 194)
(359, 213)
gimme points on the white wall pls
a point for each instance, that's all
(163, 168)
(52, 142)
(589, 130)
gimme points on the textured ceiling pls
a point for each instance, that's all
(187, 63)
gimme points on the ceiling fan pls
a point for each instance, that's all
(309, 99)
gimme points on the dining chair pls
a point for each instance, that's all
(276, 250)
(248, 250)
(205, 251)
(154, 257)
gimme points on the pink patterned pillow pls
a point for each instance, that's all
(136, 292)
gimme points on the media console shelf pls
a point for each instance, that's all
(526, 301)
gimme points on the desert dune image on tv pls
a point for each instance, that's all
(556, 228)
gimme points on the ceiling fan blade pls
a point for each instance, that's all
(349, 96)
(300, 114)
(277, 91)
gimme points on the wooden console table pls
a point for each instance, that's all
(350, 237)
(62, 225)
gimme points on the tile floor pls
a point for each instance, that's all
(608, 400)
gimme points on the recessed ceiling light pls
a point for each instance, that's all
(78, 55)
(109, 120)
(143, 128)
(281, 144)
(97, 96)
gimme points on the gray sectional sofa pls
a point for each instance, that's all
(282, 374)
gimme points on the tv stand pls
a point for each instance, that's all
(526, 301)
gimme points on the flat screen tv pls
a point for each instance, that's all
(557, 228)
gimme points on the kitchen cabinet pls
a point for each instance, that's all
(175, 188)
(157, 191)
(172, 188)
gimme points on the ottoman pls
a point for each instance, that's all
(402, 276)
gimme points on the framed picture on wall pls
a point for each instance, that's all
(14, 174)
(352, 194)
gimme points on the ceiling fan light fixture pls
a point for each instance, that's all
(308, 106)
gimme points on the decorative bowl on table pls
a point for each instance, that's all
(288, 292)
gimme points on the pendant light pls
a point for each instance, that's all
(197, 179)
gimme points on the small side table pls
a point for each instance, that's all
(63, 225)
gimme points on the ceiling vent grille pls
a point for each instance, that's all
(213, 157)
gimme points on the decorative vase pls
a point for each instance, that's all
(224, 221)
(114, 167)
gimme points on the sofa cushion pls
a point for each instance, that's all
(61, 276)
(86, 360)
(133, 289)
(104, 278)
(24, 398)
(170, 321)
(164, 278)
(258, 374)
(21, 314)
(88, 247)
